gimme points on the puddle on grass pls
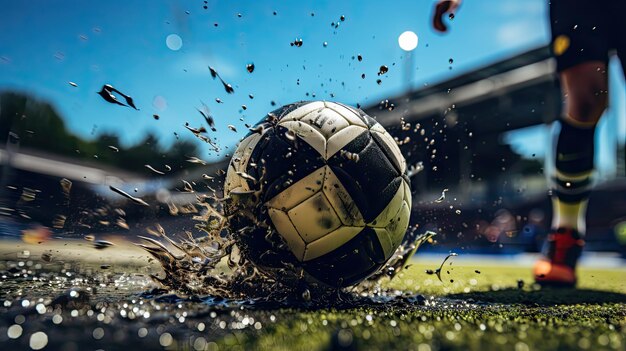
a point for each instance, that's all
(78, 305)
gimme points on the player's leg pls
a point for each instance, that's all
(584, 87)
(580, 46)
(585, 91)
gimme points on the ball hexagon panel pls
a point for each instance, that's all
(343, 204)
(281, 162)
(389, 147)
(339, 140)
(390, 211)
(351, 262)
(347, 113)
(314, 217)
(397, 226)
(287, 231)
(330, 242)
(306, 132)
(371, 188)
(303, 108)
(298, 192)
(326, 121)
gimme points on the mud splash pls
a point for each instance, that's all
(215, 266)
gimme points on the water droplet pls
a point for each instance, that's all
(38, 340)
(14, 331)
(297, 42)
(382, 70)
(98, 333)
(450, 61)
(250, 67)
(359, 57)
(174, 42)
(166, 339)
(290, 134)
(342, 18)
(451, 16)
(306, 295)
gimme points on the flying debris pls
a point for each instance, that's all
(198, 133)
(102, 244)
(442, 197)
(204, 111)
(246, 176)
(415, 169)
(107, 94)
(194, 159)
(136, 200)
(437, 271)
(229, 88)
(154, 170)
(73, 84)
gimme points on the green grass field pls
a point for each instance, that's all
(479, 306)
(486, 311)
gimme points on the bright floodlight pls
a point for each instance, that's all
(407, 40)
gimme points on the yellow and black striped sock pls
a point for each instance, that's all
(572, 179)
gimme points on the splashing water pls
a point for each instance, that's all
(216, 265)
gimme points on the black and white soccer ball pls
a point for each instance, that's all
(329, 188)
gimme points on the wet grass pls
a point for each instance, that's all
(478, 306)
(486, 311)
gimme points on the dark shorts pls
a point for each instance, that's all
(587, 30)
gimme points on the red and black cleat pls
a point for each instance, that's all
(558, 267)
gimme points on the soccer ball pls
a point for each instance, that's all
(328, 188)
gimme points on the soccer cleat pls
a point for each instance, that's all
(558, 267)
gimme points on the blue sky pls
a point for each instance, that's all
(46, 44)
